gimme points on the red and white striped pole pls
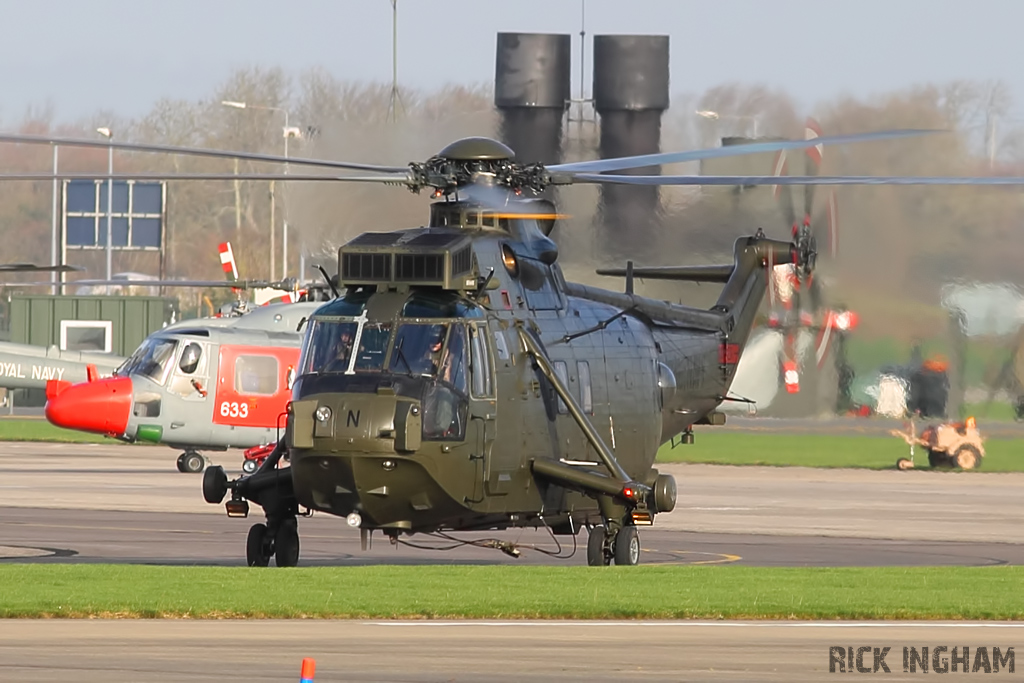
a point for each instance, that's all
(227, 261)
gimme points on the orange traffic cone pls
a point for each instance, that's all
(308, 670)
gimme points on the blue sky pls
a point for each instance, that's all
(122, 55)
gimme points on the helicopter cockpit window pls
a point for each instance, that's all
(372, 345)
(453, 365)
(153, 360)
(445, 412)
(190, 356)
(417, 349)
(439, 305)
(328, 346)
(351, 303)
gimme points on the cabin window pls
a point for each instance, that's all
(480, 363)
(586, 390)
(190, 356)
(501, 345)
(256, 375)
(539, 285)
(562, 372)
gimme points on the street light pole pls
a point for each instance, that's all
(284, 219)
(273, 220)
(107, 133)
(54, 235)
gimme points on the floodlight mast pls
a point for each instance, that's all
(715, 116)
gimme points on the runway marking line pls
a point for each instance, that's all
(723, 558)
(701, 624)
(107, 528)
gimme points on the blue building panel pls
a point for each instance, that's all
(136, 216)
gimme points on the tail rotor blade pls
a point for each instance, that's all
(833, 224)
(784, 194)
(813, 164)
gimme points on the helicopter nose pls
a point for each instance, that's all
(101, 406)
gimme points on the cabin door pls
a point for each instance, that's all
(483, 409)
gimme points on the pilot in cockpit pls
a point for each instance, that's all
(429, 359)
(341, 353)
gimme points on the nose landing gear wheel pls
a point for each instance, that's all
(257, 554)
(286, 543)
(596, 555)
(627, 546)
(191, 461)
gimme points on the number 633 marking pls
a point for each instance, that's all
(234, 409)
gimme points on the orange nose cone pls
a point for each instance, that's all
(102, 406)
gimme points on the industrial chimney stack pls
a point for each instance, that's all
(631, 91)
(531, 91)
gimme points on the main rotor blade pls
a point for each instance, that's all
(795, 180)
(195, 151)
(33, 268)
(625, 163)
(394, 178)
(222, 284)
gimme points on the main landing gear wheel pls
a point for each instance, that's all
(257, 554)
(190, 461)
(597, 549)
(249, 466)
(627, 546)
(286, 543)
(967, 457)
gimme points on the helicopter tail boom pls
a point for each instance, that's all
(744, 284)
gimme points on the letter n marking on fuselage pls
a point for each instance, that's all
(353, 419)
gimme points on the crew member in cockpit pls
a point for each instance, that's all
(430, 361)
(342, 352)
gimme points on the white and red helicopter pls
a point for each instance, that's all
(198, 385)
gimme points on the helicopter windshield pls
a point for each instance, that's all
(328, 346)
(330, 343)
(417, 349)
(152, 359)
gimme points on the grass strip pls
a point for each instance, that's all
(38, 429)
(824, 450)
(509, 592)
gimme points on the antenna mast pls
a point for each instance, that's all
(583, 58)
(395, 100)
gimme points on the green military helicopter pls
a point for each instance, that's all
(457, 382)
